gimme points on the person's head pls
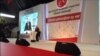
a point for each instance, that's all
(37, 29)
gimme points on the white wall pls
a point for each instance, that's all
(90, 22)
(41, 19)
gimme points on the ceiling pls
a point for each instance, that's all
(14, 6)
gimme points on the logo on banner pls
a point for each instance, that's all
(61, 3)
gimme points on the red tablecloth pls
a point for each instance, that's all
(7, 49)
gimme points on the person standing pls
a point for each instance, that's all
(38, 32)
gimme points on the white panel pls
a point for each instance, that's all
(59, 25)
(90, 29)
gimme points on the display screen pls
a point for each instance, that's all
(28, 22)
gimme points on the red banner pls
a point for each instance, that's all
(73, 16)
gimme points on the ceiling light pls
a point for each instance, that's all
(7, 15)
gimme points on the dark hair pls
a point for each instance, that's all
(37, 29)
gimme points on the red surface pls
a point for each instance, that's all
(61, 3)
(66, 17)
(14, 50)
(73, 39)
